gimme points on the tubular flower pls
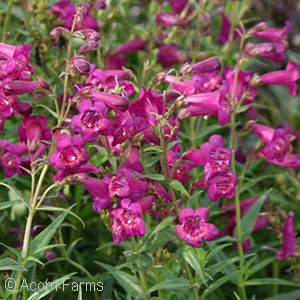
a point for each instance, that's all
(194, 229)
(289, 242)
(287, 77)
(70, 157)
(277, 140)
(219, 180)
(271, 51)
(10, 158)
(275, 35)
(169, 55)
(91, 120)
(126, 221)
(33, 130)
(207, 104)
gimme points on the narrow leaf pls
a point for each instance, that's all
(127, 281)
(10, 264)
(177, 185)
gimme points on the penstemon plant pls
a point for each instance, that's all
(157, 164)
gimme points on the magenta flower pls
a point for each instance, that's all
(65, 11)
(225, 29)
(277, 140)
(214, 104)
(98, 190)
(10, 158)
(219, 180)
(33, 131)
(113, 101)
(166, 19)
(126, 221)
(70, 157)
(209, 65)
(194, 229)
(271, 51)
(275, 35)
(132, 46)
(222, 186)
(289, 242)
(123, 184)
(19, 87)
(287, 77)
(91, 121)
(14, 62)
(168, 55)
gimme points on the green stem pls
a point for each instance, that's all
(164, 165)
(6, 20)
(74, 263)
(142, 274)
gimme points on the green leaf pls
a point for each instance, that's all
(10, 264)
(294, 295)
(260, 266)
(168, 285)
(79, 297)
(177, 185)
(52, 112)
(267, 281)
(154, 149)
(48, 288)
(8, 204)
(191, 257)
(53, 208)
(249, 219)
(127, 281)
(162, 225)
(157, 177)
(172, 144)
(44, 237)
(216, 284)
(13, 250)
(253, 182)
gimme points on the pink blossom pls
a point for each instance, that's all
(91, 121)
(194, 229)
(168, 55)
(287, 77)
(276, 35)
(289, 242)
(126, 221)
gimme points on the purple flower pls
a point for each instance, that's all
(113, 101)
(65, 11)
(209, 65)
(166, 19)
(33, 130)
(287, 77)
(10, 158)
(207, 104)
(194, 229)
(222, 186)
(277, 140)
(98, 190)
(289, 242)
(271, 51)
(126, 221)
(91, 120)
(14, 62)
(19, 87)
(70, 157)
(132, 46)
(123, 184)
(168, 55)
(225, 29)
(275, 35)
